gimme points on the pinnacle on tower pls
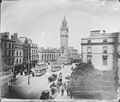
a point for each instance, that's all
(64, 22)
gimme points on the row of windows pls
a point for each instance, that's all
(89, 49)
(8, 53)
(89, 59)
(34, 51)
(9, 61)
(18, 53)
(32, 58)
(104, 41)
(18, 61)
(7, 45)
(33, 46)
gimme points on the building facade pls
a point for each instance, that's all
(34, 57)
(101, 49)
(7, 53)
(99, 71)
(30, 53)
(73, 53)
(49, 55)
(7, 62)
(18, 54)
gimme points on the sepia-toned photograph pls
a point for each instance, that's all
(59, 50)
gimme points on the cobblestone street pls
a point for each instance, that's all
(21, 88)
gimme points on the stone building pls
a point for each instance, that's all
(30, 52)
(7, 62)
(49, 54)
(34, 54)
(100, 49)
(98, 75)
(18, 54)
(73, 53)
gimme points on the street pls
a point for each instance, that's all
(23, 90)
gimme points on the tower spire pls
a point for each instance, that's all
(64, 22)
(64, 18)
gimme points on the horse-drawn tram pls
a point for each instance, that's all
(55, 67)
(39, 70)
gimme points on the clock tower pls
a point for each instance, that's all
(64, 38)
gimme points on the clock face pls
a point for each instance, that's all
(63, 33)
(64, 23)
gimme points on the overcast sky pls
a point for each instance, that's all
(40, 20)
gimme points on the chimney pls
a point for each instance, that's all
(104, 31)
(15, 35)
(12, 37)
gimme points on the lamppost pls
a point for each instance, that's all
(29, 60)
(0, 15)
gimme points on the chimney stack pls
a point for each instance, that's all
(15, 35)
(104, 31)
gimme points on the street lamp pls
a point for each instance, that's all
(29, 60)
(0, 15)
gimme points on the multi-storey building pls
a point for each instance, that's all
(34, 54)
(100, 77)
(7, 53)
(30, 52)
(18, 53)
(47, 55)
(73, 53)
(100, 49)
(7, 62)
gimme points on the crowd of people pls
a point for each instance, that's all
(60, 87)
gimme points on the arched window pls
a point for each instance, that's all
(20, 60)
(20, 53)
(17, 53)
(17, 61)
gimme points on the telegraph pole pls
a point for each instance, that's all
(0, 15)
(0, 42)
(0, 49)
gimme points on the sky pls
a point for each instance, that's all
(40, 20)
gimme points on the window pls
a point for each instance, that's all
(20, 53)
(104, 40)
(104, 49)
(12, 53)
(9, 45)
(5, 44)
(12, 45)
(17, 61)
(104, 61)
(89, 58)
(9, 52)
(17, 53)
(20, 60)
(89, 49)
(89, 41)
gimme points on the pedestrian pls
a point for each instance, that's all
(28, 79)
(52, 91)
(58, 88)
(9, 86)
(62, 91)
(71, 93)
